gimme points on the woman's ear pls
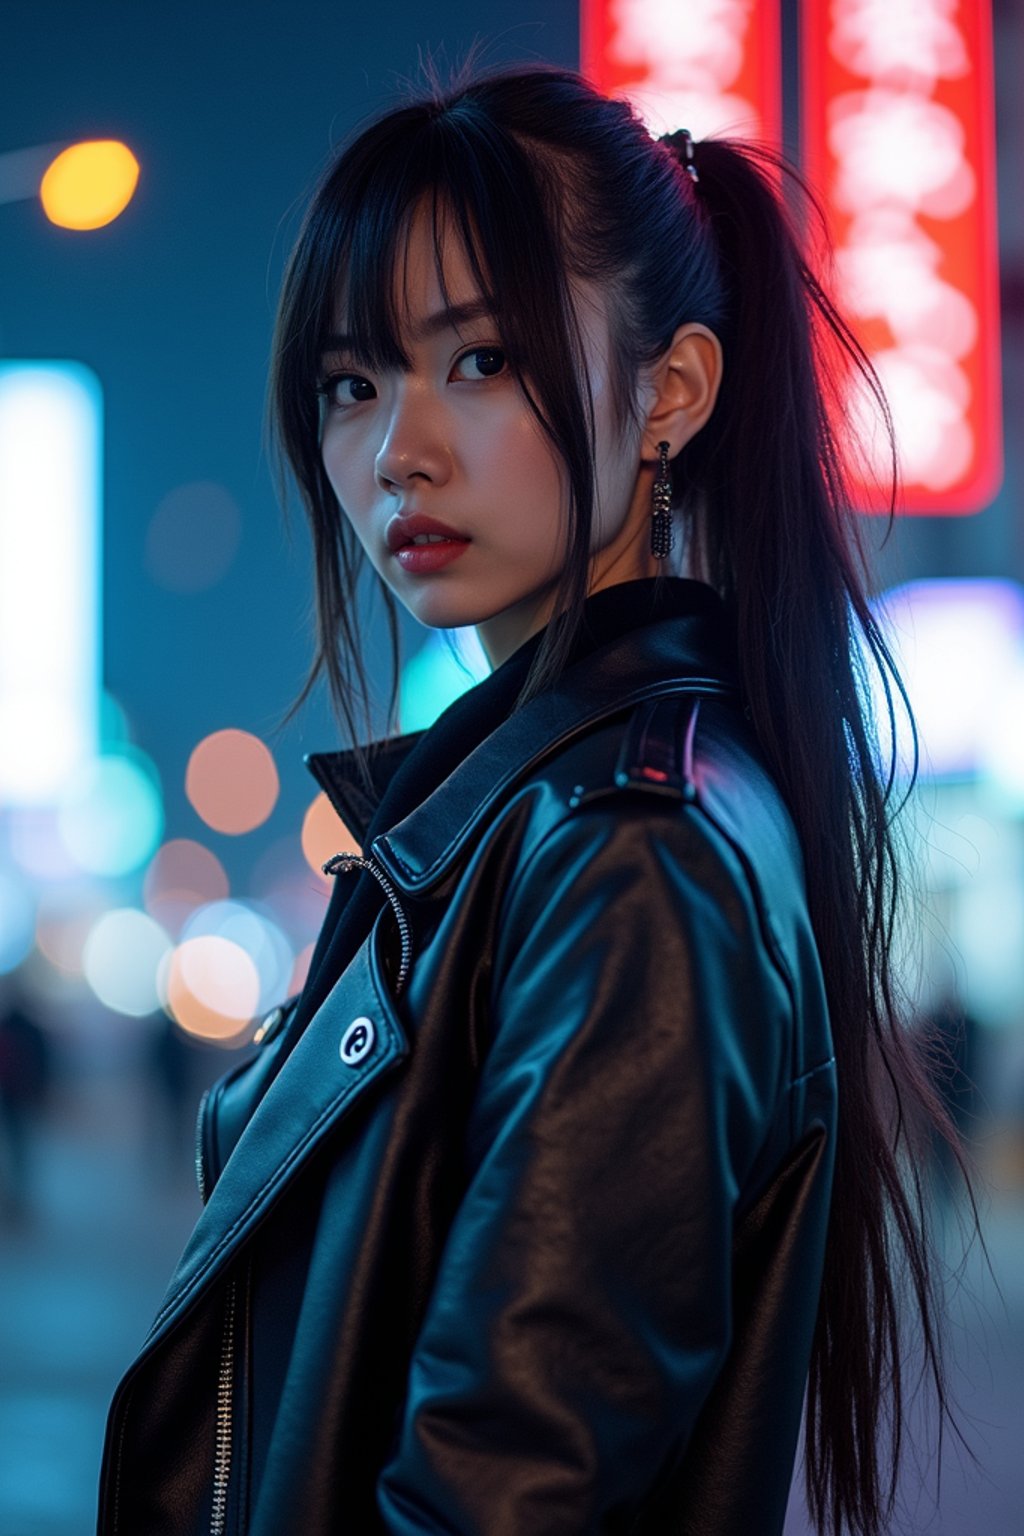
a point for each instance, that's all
(682, 389)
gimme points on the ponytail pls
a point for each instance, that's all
(779, 539)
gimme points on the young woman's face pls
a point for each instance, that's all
(455, 440)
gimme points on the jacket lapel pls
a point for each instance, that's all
(316, 1089)
(336, 774)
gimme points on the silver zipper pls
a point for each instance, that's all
(341, 863)
(200, 1160)
(222, 1445)
(222, 1434)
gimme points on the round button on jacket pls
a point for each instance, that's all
(357, 1041)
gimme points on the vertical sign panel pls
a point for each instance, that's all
(50, 469)
(712, 66)
(899, 140)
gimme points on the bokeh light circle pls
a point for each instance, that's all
(122, 958)
(323, 834)
(255, 933)
(231, 781)
(112, 817)
(89, 184)
(193, 537)
(211, 988)
(181, 876)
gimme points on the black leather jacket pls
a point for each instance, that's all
(523, 1234)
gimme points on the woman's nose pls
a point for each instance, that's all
(415, 442)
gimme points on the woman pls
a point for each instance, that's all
(536, 1209)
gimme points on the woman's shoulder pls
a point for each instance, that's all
(685, 760)
(658, 856)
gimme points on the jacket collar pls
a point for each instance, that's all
(690, 650)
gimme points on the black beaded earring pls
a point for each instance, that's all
(661, 517)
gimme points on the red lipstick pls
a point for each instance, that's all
(428, 555)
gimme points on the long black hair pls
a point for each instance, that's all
(545, 180)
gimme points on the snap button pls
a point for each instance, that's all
(357, 1041)
(269, 1026)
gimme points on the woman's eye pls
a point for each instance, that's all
(342, 390)
(332, 391)
(488, 354)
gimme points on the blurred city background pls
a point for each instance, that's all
(160, 836)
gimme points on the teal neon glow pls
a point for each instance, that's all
(111, 819)
(51, 417)
(434, 678)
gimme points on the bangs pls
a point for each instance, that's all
(499, 202)
(369, 319)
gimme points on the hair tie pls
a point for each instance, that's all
(682, 137)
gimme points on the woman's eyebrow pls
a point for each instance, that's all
(442, 320)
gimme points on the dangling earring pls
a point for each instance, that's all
(661, 517)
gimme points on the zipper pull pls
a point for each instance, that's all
(344, 863)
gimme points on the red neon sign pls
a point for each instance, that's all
(712, 66)
(899, 141)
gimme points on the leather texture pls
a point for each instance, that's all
(546, 1259)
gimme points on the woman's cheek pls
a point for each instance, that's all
(342, 457)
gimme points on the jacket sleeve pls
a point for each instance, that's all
(581, 1309)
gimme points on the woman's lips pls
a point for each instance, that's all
(422, 558)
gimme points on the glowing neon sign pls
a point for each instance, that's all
(50, 500)
(712, 66)
(899, 139)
